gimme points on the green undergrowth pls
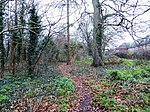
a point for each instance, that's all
(112, 60)
(138, 74)
(105, 102)
(127, 85)
(87, 61)
(50, 83)
(3, 97)
(65, 90)
(121, 87)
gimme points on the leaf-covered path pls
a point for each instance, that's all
(84, 98)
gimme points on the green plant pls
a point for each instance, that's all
(122, 108)
(3, 97)
(103, 100)
(147, 68)
(63, 107)
(85, 61)
(46, 85)
(139, 73)
(112, 60)
(6, 90)
(105, 82)
(9, 76)
(123, 74)
(129, 62)
(64, 86)
(31, 93)
(120, 74)
(144, 110)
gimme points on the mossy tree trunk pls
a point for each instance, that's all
(98, 34)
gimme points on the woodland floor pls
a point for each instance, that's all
(84, 98)
(77, 88)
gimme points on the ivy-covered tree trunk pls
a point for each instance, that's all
(20, 51)
(34, 31)
(2, 50)
(98, 34)
(14, 42)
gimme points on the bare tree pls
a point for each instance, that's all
(114, 13)
(85, 32)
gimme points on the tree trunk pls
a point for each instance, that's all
(7, 49)
(2, 51)
(14, 43)
(89, 47)
(97, 34)
(68, 34)
(34, 32)
(20, 50)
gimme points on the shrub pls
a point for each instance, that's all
(123, 55)
(112, 60)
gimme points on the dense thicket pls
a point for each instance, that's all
(19, 36)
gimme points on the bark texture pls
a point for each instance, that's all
(98, 34)
(2, 50)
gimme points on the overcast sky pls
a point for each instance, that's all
(53, 14)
